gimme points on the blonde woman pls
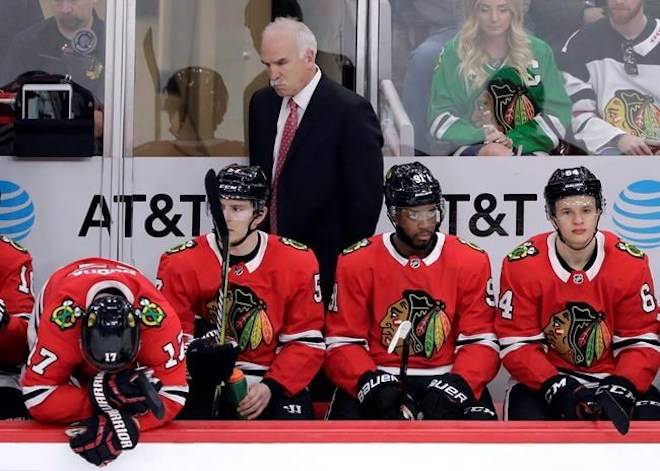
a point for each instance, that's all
(496, 89)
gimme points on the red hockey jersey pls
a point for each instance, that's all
(16, 299)
(600, 321)
(274, 304)
(448, 296)
(56, 377)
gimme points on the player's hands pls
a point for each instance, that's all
(255, 402)
(134, 392)
(379, 396)
(447, 397)
(4, 316)
(210, 362)
(633, 145)
(101, 439)
(569, 399)
(479, 413)
(617, 396)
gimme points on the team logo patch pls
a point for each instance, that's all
(634, 113)
(15, 245)
(526, 249)
(66, 315)
(293, 243)
(356, 246)
(431, 324)
(471, 245)
(248, 321)
(180, 248)
(579, 334)
(630, 249)
(151, 314)
(507, 103)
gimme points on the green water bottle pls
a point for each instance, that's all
(238, 387)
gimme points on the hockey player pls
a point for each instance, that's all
(577, 315)
(16, 302)
(440, 284)
(95, 321)
(611, 69)
(273, 307)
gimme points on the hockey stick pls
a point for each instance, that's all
(222, 235)
(403, 332)
(615, 413)
(154, 403)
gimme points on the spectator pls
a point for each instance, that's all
(496, 89)
(611, 69)
(578, 316)
(196, 102)
(327, 193)
(441, 286)
(17, 15)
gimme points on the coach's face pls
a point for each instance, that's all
(622, 11)
(73, 14)
(289, 71)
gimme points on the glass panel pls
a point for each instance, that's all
(197, 65)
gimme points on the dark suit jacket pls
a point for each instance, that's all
(331, 187)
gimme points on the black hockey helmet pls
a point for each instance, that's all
(412, 184)
(243, 182)
(110, 333)
(575, 181)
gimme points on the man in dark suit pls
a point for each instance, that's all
(322, 152)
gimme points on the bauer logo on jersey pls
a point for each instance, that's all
(634, 113)
(151, 313)
(579, 334)
(525, 250)
(431, 325)
(66, 315)
(248, 320)
(630, 249)
(180, 248)
(293, 243)
(356, 246)
(16, 245)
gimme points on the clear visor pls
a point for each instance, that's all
(419, 215)
(575, 205)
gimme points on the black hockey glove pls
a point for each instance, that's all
(128, 390)
(210, 363)
(102, 438)
(479, 413)
(378, 394)
(4, 315)
(569, 399)
(617, 396)
(447, 397)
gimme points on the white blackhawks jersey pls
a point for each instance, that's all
(609, 100)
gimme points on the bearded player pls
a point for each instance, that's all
(440, 284)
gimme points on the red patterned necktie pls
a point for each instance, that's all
(287, 137)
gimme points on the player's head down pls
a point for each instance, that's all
(414, 203)
(573, 204)
(110, 333)
(243, 192)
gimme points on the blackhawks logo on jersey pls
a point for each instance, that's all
(248, 322)
(527, 249)
(431, 325)
(189, 244)
(506, 100)
(293, 243)
(16, 245)
(579, 334)
(630, 249)
(151, 314)
(66, 315)
(634, 113)
(471, 245)
(356, 246)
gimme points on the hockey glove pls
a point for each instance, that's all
(210, 363)
(569, 399)
(616, 397)
(101, 439)
(447, 397)
(378, 394)
(4, 315)
(127, 390)
(479, 413)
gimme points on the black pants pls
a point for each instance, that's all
(522, 403)
(281, 407)
(11, 404)
(344, 406)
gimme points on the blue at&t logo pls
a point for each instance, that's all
(16, 211)
(637, 214)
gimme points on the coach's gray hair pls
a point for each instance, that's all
(305, 39)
